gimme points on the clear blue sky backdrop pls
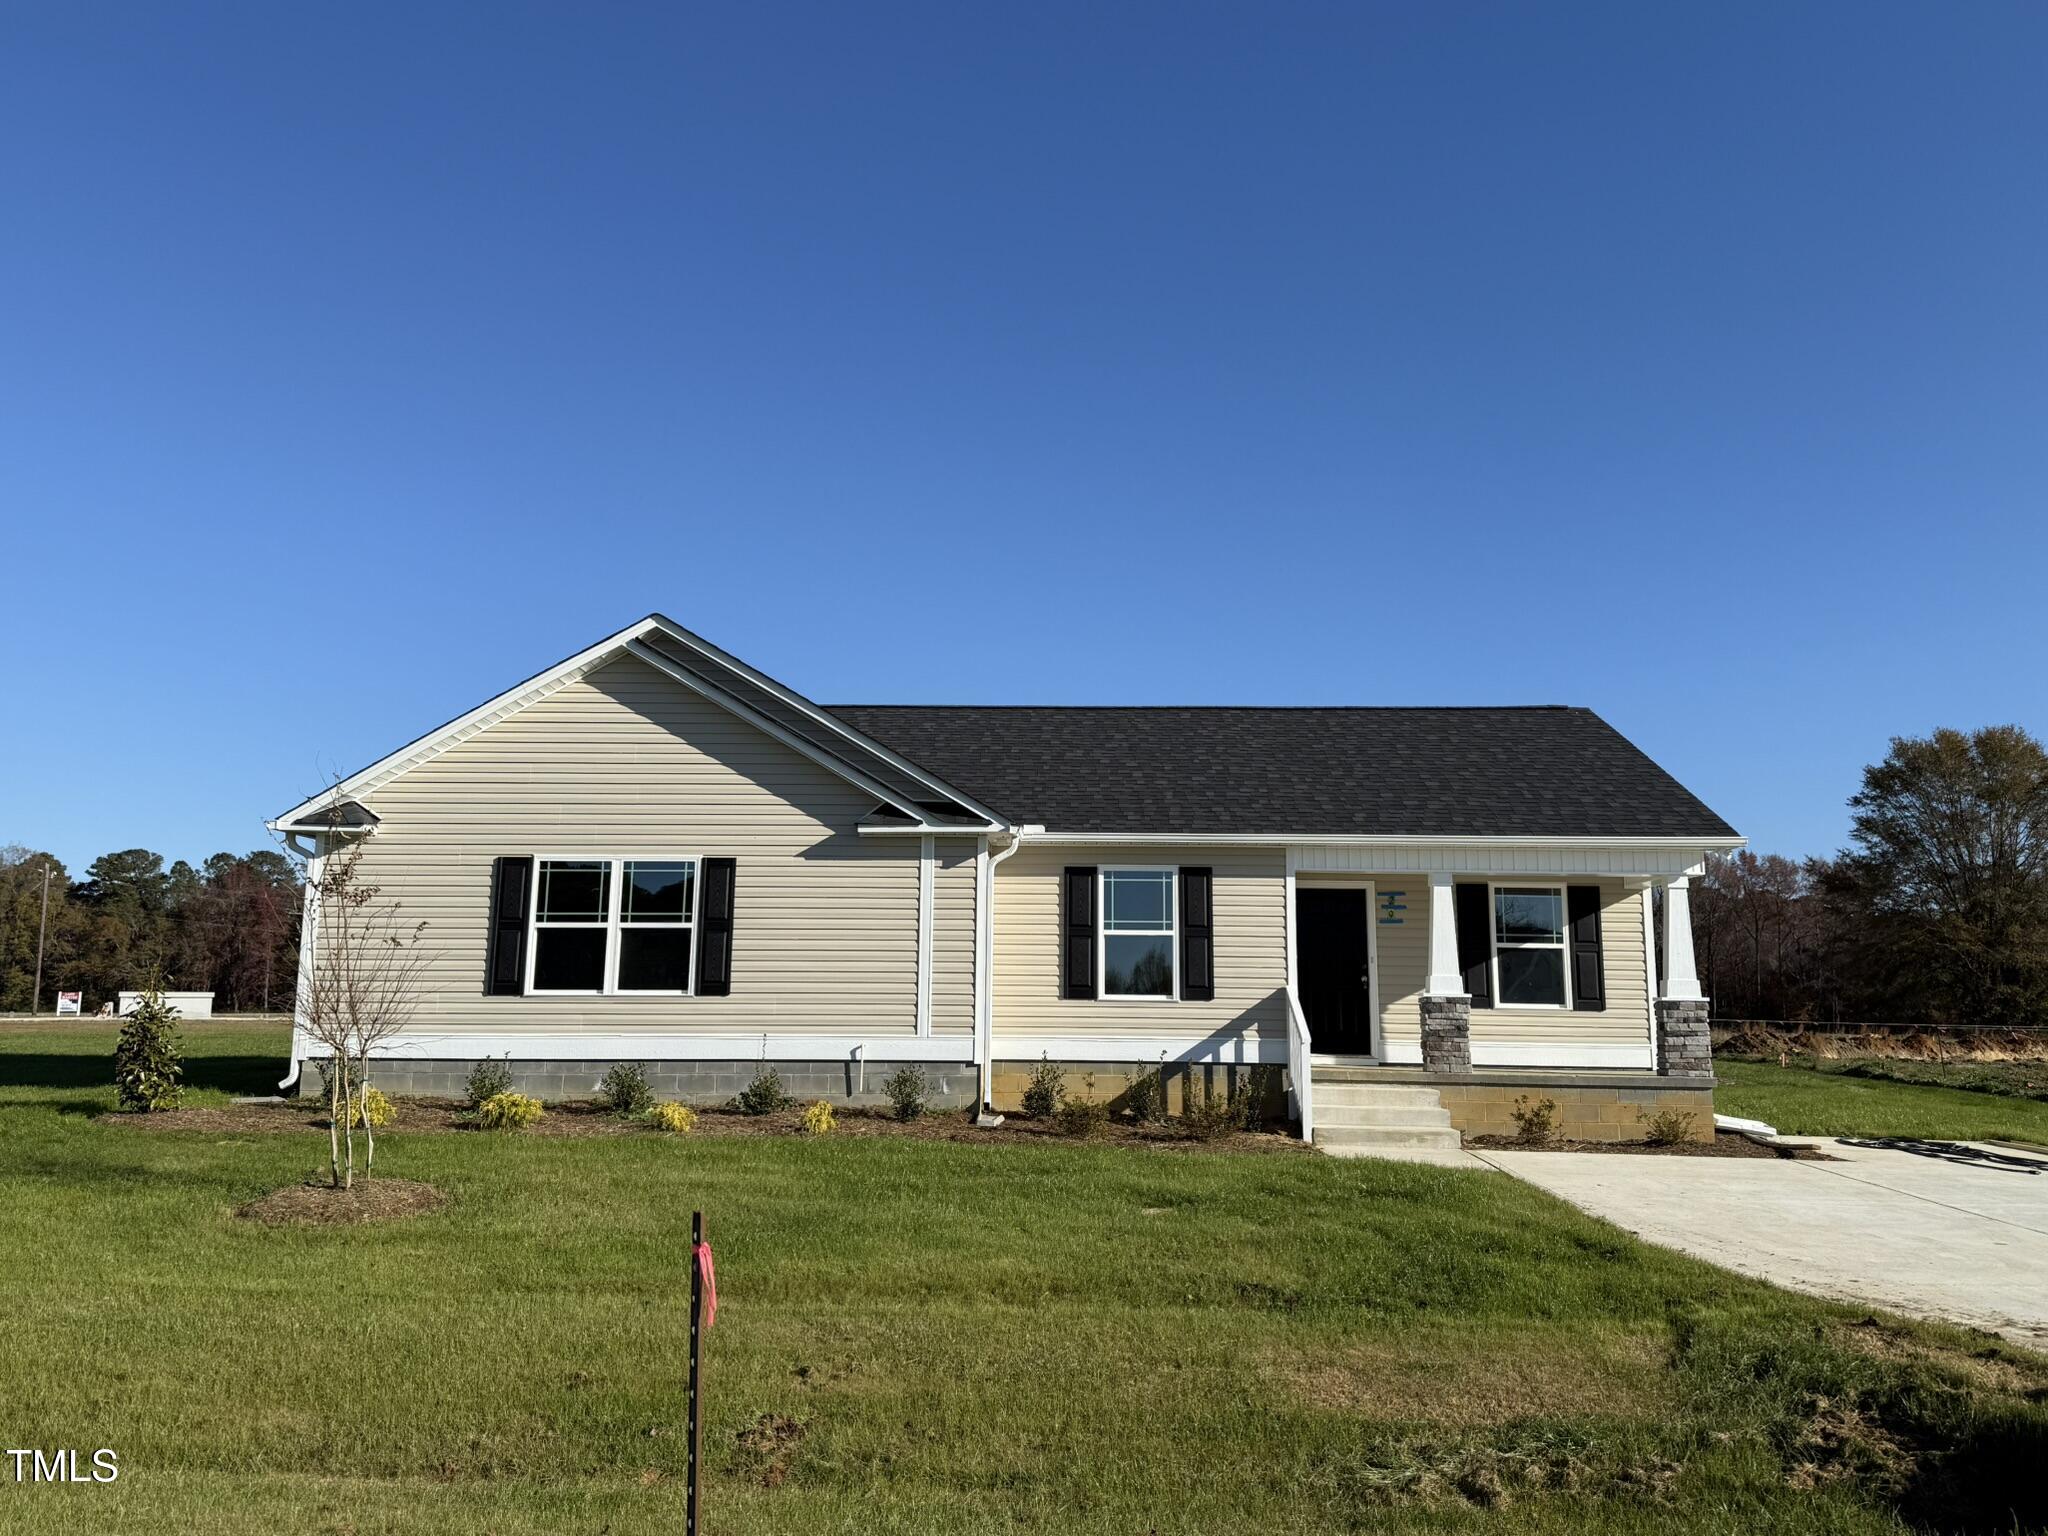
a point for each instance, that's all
(355, 361)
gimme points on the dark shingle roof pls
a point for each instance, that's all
(1521, 772)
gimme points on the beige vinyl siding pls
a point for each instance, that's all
(953, 894)
(1404, 968)
(628, 762)
(1250, 937)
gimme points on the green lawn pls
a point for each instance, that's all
(1816, 1101)
(966, 1338)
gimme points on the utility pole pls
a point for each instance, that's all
(35, 1002)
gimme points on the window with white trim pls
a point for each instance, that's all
(1530, 968)
(1140, 945)
(614, 926)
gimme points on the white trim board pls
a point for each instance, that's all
(1234, 1049)
(656, 1045)
(1630, 1055)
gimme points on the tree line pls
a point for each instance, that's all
(1936, 912)
(229, 927)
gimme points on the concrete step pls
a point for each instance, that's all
(1390, 1094)
(1339, 1138)
(1392, 1116)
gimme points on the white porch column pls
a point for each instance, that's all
(1446, 976)
(1681, 983)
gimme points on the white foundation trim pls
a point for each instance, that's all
(1635, 1055)
(1268, 1050)
(589, 1045)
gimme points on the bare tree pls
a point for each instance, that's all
(361, 989)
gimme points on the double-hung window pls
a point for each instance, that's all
(613, 926)
(1140, 952)
(1529, 963)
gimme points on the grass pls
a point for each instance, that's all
(1833, 1099)
(928, 1337)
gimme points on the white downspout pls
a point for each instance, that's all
(309, 935)
(984, 971)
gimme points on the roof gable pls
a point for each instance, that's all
(705, 669)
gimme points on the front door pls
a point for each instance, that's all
(1336, 994)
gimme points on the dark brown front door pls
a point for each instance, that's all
(1336, 994)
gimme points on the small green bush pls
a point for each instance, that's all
(1535, 1121)
(764, 1095)
(1083, 1115)
(149, 1059)
(1043, 1094)
(907, 1087)
(623, 1089)
(489, 1078)
(1145, 1098)
(508, 1112)
(676, 1119)
(1211, 1113)
(1668, 1127)
(819, 1119)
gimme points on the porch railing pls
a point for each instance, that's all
(1300, 1077)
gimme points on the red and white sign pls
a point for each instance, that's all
(70, 1002)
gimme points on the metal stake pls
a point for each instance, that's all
(696, 1426)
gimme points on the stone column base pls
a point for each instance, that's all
(1446, 1034)
(1684, 1048)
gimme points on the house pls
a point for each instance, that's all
(1410, 917)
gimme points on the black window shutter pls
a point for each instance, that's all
(1589, 977)
(1197, 937)
(714, 928)
(505, 958)
(1475, 942)
(1077, 931)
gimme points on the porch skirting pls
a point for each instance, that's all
(1591, 1106)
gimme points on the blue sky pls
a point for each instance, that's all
(1687, 363)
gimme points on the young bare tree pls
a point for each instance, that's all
(361, 989)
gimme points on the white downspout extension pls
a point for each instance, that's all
(309, 935)
(984, 970)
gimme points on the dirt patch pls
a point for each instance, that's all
(582, 1119)
(1726, 1144)
(1522, 1374)
(322, 1205)
(767, 1447)
(1989, 1365)
(1781, 1042)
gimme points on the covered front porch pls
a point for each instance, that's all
(1432, 985)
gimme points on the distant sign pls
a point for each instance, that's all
(69, 1002)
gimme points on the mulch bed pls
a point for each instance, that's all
(1725, 1144)
(322, 1205)
(583, 1119)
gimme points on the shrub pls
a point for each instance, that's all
(1668, 1127)
(907, 1087)
(623, 1089)
(373, 1109)
(489, 1078)
(149, 1061)
(764, 1095)
(1145, 1098)
(818, 1119)
(508, 1112)
(676, 1119)
(1083, 1114)
(1042, 1095)
(1209, 1114)
(1535, 1121)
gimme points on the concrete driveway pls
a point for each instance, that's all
(1950, 1230)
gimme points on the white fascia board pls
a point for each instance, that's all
(425, 748)
(932, 829)
(829, 721)
(1385, 840)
